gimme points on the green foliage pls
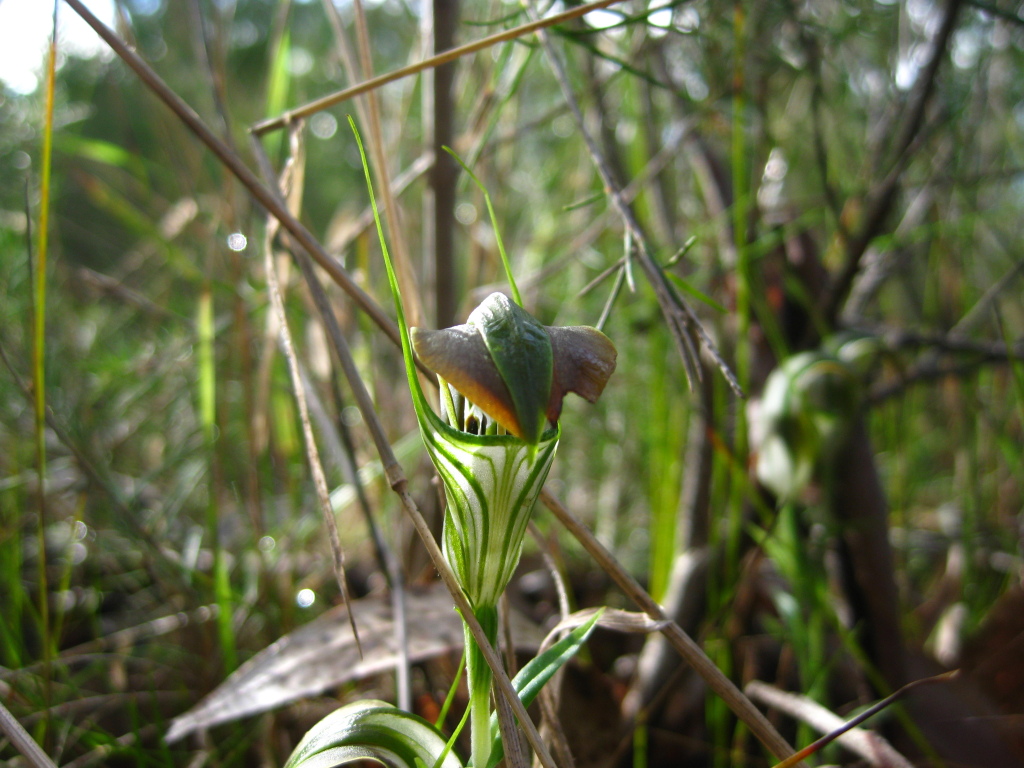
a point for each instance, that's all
(178, 527)
(370, 729)
(373, 730)
(804, 418)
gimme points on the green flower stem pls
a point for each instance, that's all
(479, 680)
(492, 483)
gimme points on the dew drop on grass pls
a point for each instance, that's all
(323, 125)
(351, 416)
(465, 213)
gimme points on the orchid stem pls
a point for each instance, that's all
(480, 679)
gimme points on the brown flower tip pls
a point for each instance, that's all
(583, 359)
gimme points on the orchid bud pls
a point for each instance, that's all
(509, 371)
(503, 376)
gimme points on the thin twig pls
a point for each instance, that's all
(878, 266)
(880, 198)
(550, 697)
(682, 642)
(680, 318)
(551, 694)
(817, 111)
(103, 752)
(929, 367)
(868, 745)
(399, 184)
(765, 692)
(113, 287)
(512, 744)
(952, 343)
(930, 370)
(201, 45)
(979, 309)
(388, 562)
(22, 741)
(312, 453)
(561, 590)
(639, 182)
(372, 84)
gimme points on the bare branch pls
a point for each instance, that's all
(682, 322)
(881, 196)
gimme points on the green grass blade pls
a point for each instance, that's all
(538, 671)
(418, 398)
(207, 396)
(278, 85)
(494, 223)
(39, 364)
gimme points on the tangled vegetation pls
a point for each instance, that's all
(798, 223)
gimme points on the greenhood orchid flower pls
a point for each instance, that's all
(503, 376)
(516, 370)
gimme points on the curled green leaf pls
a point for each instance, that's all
(805, 412)
(373, 730)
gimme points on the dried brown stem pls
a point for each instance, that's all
(375, 142)
(867, 744)
(312, 453)
(434, 61)
(740, 705)
(387, 560)
(24, 743)
(780, 699)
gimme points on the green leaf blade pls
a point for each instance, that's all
(538, 671)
